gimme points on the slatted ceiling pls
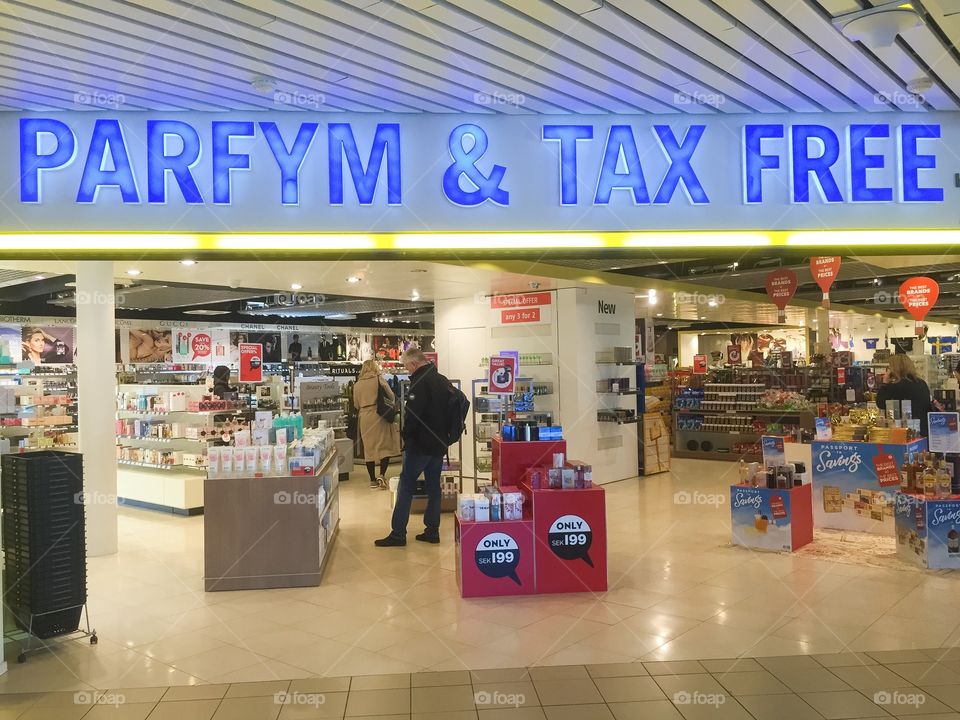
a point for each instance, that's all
(761, 83)
(818, 28)
(513, 53)
(623, 85)
(617, 41)
(305, 74)
(450, 16)
(937, 57)
(537, 85)
(698, 77)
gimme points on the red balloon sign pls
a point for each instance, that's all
(825, 271)
(918, 295)
(781, 285)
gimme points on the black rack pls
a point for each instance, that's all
(44, 544)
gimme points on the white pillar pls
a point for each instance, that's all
(97, 383)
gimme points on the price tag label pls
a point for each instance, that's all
(570, 537)
(497, 556)
(885, 466)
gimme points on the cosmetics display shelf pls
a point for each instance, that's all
(629, 391)
(619, 421)
(631, 363)
(153, 466)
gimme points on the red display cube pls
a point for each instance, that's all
(494, 558)
(512, 458)
(570, 532)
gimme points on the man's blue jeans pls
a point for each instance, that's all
(413, 465)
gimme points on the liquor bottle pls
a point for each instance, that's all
(943, 481)
(912, 474)
(929, 481)
(743, 472)
(905, 473)
(953, 542)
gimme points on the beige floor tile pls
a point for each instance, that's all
(378, 702)
(813, 680)
(718, 667)
(264, 670)
(380, 682)
(495, 675)
(505, 694)
(779, 707)
(583, 653)
(653, 710)
(781, 665)
(524, 713)
(926, 673)
(868, 678)
(446, 698)
(185, 710)
(578, 712)
(133, 695)
(56, 713)
(320, 685)
(126, 711)
(176, 647)
(890, 657)
(439, 679)
(567, 692)
(758, 682)
(454, 715)
(333, 706)
(195, 692)
(605, 670)
(844, 659)
(678, 686)
(907, 701)
(629, 689)
(249, 708)
(559, 672)
(841, 705)
(682, 667)
(257, 689)
(949, 694)
(216, 662)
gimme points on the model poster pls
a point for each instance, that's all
(359, 348)
(47, 344)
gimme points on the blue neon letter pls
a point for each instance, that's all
(568, 136)
(32, 162)
(755, 162)
(820, 165)
(341, 142)
(158, 162)
(680, 170)
(911, 162)
(861, 161)
(289, 161)
(107, 137)
(620, 141)
(225, 161)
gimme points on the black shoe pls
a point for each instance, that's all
(429, 538)
(392, 541)
(374, 484)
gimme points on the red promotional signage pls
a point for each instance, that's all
(523, 308)
(503, 375)
(918, 295)
(734, 355)
(885, 465)
(841, 376)
(825, 271)
(781, 285)
(777, 507)
(432, 357)
(251, 362)
(786, 359)
(200, 346)
(699, 364)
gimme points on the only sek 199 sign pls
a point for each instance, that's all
(570, 537)
(497, 556)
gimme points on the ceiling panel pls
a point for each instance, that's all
(582, 56)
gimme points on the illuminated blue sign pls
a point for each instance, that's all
(500, 173)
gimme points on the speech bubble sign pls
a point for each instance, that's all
(918, 295)
(497, 556)
(781, 285)
(570, 537)
(201, 346)
(824, 270)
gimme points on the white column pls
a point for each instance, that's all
(97, 382)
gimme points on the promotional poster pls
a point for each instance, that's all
(148, 345)
(11, 344)
(47, 344)
(847, 490)
(911, 529)
(251, 362)
(760, 518)
(359, 348)
(928, 532)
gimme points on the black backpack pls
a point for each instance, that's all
(458, 408)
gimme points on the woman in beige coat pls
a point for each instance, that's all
(381, 440)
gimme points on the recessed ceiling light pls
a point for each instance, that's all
(133, 271)
(661, 262)
(295, 286)
(40, 277)
(353, 279)
(188, 262)
(659, 314)
(202, 311)
(414, 295)
(703, 317)
(712, 303)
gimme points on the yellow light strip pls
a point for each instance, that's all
(326, 242)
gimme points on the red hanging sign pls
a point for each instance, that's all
(918, 295)
(734, 355)
(885, 465)
(781, 285)
(825, 270)
(699, 364)
(777, 507)
(251, 362)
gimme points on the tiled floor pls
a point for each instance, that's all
(817, 687)
(678, 592)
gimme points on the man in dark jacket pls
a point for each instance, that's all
(424, 445)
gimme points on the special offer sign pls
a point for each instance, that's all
(522, 309)
(251, 362)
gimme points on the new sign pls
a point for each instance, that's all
(458, 172)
